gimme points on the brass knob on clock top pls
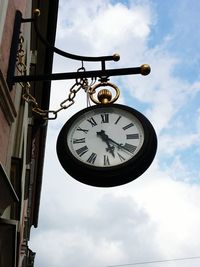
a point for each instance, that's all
(104, 96)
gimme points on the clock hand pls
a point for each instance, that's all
(105, 138)
(128, 148)
(120, 145)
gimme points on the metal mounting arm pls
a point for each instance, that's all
(60, 52)
(11, 78)
(144, 70)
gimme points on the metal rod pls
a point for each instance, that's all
(114, 57)
(76, 75)
(27, 20)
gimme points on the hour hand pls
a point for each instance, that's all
(105, 138)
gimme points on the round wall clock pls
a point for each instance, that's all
(106, 145)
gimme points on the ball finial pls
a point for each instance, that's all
(36, 12)
(116, 57)
(145, 69)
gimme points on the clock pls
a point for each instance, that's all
(106, 145)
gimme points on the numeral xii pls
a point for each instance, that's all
(105, 118)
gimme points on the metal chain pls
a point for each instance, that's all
(21, 67)
(30, 99)
(52, 114)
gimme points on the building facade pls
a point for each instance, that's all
(22, 132)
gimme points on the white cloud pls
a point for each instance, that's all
(104, 29)
(153, 217)
(175, 143)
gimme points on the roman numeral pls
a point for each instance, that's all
(132, 136)
(128, 126)
(78, 141)
(92, 158)
(92, 122)
(129, 148)
(82, 150)
(106, 161)
(118, 119)
(121, 158)
(82, 130)
(105, 118)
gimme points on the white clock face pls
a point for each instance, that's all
(105, 137)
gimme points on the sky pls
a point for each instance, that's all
(157, 216)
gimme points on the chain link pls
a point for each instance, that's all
(30, 99)
(52, 114)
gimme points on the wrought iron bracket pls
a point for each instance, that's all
(103, 72)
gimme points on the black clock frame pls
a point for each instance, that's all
(108, 176)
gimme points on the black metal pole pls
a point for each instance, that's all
(81, 74)
(60, 52)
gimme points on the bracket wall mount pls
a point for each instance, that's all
(103, 72)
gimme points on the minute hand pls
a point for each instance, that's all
(129, 148)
